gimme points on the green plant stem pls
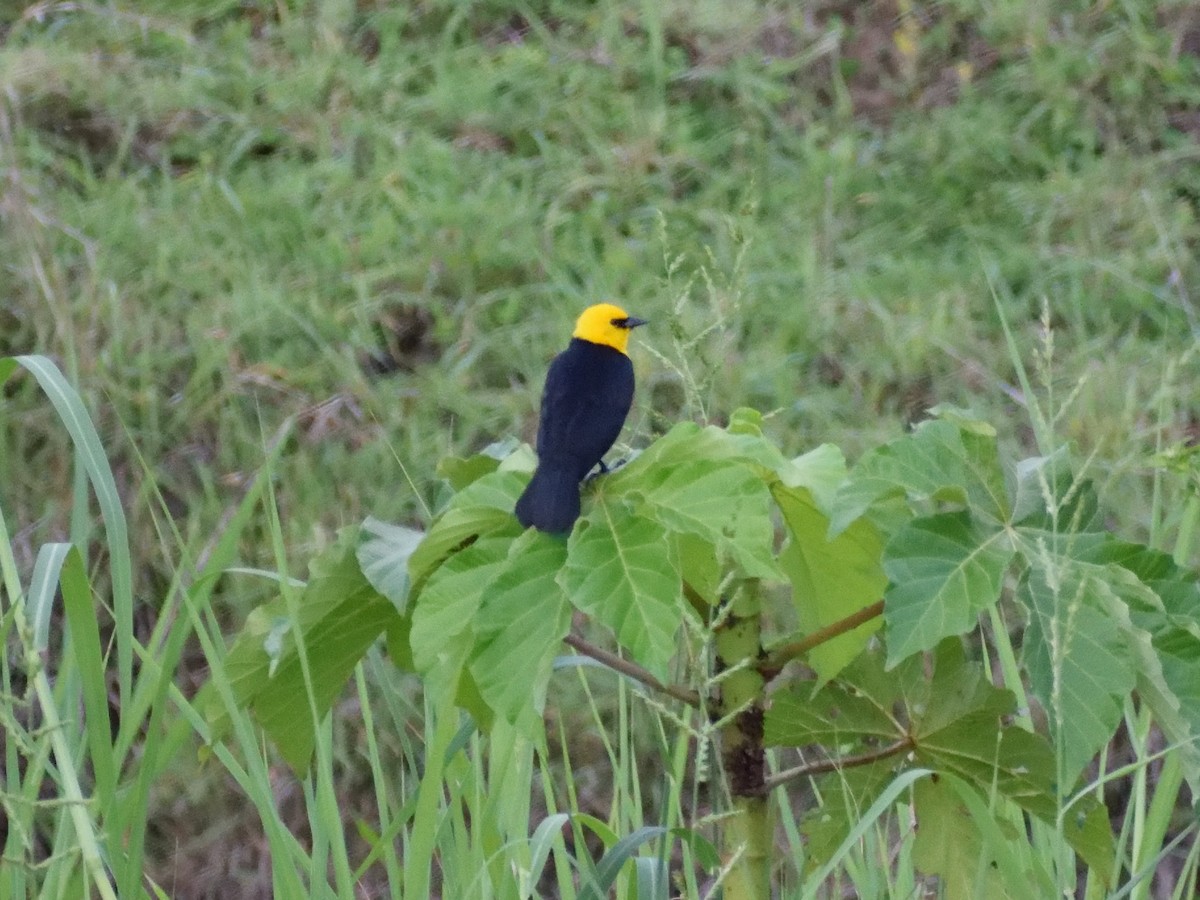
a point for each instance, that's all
(833, 765)
(77, 805)
(1157, 820)
(781, 656)
(632, 669)
(746, 844)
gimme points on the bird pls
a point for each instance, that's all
(588, 392)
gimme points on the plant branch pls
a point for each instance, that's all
(833, 765)
(781, 656)
(633, 670)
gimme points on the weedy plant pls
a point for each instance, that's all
(678, 557)
(968, 639)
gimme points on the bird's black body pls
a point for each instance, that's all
(589, 389)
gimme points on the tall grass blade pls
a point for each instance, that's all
(620, 853)
(67, 569)
(43, 586)
(74, 416)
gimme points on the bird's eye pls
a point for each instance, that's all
(621, 323)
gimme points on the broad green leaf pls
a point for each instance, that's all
(1020, 766)
(745, 420)
(1164, 636)
(496, 490)
(725, 503)
(958, 719)
(383, 554)
(1181, 671)
(399, 643)
(469, 698)
(846, 796)
(885, 706)
(520, 625)
(1150, 602)
(681, 444)
(974, 745)
(823, 471)
(944, 570)
(830, 578)
(451, 598)
(689, 442)
(485, 507)
(950, 844)
(1154, 568)
(836, 715)
(462, 471)
(953, 720)
(1173, 657)
(338, 642)
(863, 702)
(926, 464)
(986, 488)
(946, 687)
(339, 614)
(983, 476)
(1155, 610)
(455, 529)
(448, 672)
(622, 571)
(699, 566)
(1079, 662)
(939, 461)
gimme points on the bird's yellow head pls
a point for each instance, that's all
(606, 324)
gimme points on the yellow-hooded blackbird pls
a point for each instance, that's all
(588, 392)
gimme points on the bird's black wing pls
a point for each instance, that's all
(589, 389)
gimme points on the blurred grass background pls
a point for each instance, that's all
(380, 220)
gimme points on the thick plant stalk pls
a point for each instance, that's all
(746, 845)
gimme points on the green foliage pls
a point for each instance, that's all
(101, 770)
(479, 609)
(521, 621)
(830, 577)
(623, 573)
(943, 571)
(944, 568)
(930, 521)
(960, 838)
(383, 554)
(951, 721)
(295, 654)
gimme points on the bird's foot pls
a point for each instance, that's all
(603, 469)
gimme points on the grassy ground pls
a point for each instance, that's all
(378, 220)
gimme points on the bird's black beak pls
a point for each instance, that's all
(630, 322)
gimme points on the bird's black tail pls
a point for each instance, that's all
(551, 501)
